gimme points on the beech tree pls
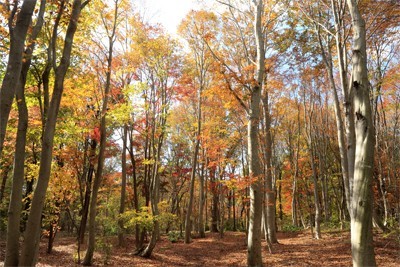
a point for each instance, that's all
(254, 257)
(361, 199)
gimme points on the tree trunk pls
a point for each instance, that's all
(100, 165)
(14, 210)
(295, 162)
(317, 233)
(14, 65)
(362, 198)
(344, 153)
(188, 222)
(280, 197)
(270, 200)
(202, 199)
(6, 170)
(234, 209)
(121, 241)
(348, 109)
(156, 228)
(103, 140)
(88, 192)
(254, 257)
(138, 240)
(215, 200)
(156, 186)
(311, 151)
(32, 235)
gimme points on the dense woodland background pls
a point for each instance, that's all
(110, 126)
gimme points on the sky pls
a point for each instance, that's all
(168, 13)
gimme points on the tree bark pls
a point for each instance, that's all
(348, 108)
(87, 261)
(362, 198)
(270, 200)
(88, 192)
(215, 200)
(13, 71)
(32, 234)
(121, 240)
(5, 171)
(344, 163)
(14, 210)
(138, 240)
(202, 199)
(254, 257)
(155, 192)
(188, 222)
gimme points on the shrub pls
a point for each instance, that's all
(174, 236)
(105, 247)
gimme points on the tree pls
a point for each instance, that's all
(193, 29)
(361, 199)
(110, 23)
(14, 211)
(32, 233)
(253, 85)
(10, 82)
(254, 257)
(162, 68)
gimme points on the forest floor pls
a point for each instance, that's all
(294, 249)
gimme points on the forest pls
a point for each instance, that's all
(262, 133)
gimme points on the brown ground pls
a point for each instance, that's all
(293, 250)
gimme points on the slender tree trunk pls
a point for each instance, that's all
(280, 197)
(295, 163)
(13, 71)
(311, 152)
(138, 240)
(201, 199)
(6, 170)
(32, 233)
(88, 192)
(254, 257)
(344, 163)
(96, 185)
(156, 189)
(156, 228)
(317, 234)
(103, 139)
(53, 229)
(188, 222)
(270, 204)
(100, 163)
(215, 200)
(14, 210)
(348, 108)
(222, 209)
(362, 198)
(121, 240)
(234, 209)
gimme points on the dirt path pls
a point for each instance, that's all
(293, 250)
